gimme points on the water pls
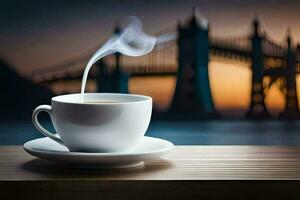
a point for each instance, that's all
(187, 132)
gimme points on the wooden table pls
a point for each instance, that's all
(188, 172)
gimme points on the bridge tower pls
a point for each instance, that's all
(192, 92)
(291, 107)
(115, 81)
(257, 103)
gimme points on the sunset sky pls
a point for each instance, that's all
(34, 34)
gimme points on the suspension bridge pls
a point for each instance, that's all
(187, 57)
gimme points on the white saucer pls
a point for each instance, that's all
(150, 148)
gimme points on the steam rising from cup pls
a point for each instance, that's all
(132, 41)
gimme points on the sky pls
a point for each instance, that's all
(35, 34)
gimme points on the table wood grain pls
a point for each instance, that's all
(209, 172)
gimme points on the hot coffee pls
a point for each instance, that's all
(99, 122)
(101, 101)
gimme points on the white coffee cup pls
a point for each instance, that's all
(116, 124)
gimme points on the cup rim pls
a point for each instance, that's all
(143, 98)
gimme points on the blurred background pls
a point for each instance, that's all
(230, 76)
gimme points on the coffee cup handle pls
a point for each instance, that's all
(39, 127)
